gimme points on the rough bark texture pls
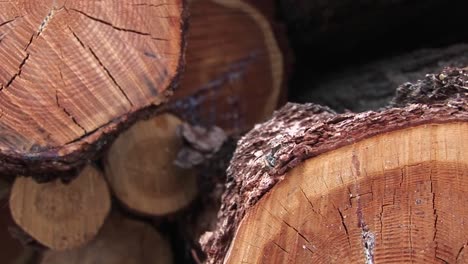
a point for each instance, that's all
(67, 90)
(372, 85)
(298, 132)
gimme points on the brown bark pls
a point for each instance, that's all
(75, 74)
(234, 74)
(121, 241)
(277, 158)
(61, 215)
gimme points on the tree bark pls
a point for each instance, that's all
(311, 185)
(75, 74)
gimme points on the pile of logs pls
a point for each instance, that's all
(101, 154)
(124, 138)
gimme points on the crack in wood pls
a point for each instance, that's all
(343, 223)
(460, 251)
(109, 75)
(57, 101)
(116, 27)
(4, 23)
(310, 203)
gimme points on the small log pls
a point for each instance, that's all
(61, 215)
(234, 73)
(312, 186)
(75, 73)
(121, 241)
(141, 172)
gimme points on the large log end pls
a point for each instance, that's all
(76, 73)
(323, 187)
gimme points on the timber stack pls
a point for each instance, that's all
(104, 144)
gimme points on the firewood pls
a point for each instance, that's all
(121, 241)
(61, 215)
(312, 186)
(141, 171)
(234, 67)
(75, 73)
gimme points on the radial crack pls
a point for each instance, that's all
(460, 251)
(310, 203)
(297, 231)
(343, 223)
(57, 101)
(282, 248)
(9, 21)
(118, 28)
(17, 74)
(114, 81)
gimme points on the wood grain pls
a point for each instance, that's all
(74, 71)
(141, 171)
(398, 197)
(58, 215)
(234, 73)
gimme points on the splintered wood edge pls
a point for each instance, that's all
(122, 241)
(61, 216)
(364, 202)
(141, 172)
(299, 132)
(74, 155)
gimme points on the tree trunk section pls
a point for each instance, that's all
(61, 215)
(77, 72)
(312, 186)
(141, 171)
(235, 72)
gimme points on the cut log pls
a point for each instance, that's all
(311, 186)
(141, 171)
(121, 241)
(76, 72)
(234, 72)
(59, 215)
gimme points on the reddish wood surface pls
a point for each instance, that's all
(74, 72)
(300, 132)
(234, 76)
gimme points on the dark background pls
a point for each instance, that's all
(345, 51)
